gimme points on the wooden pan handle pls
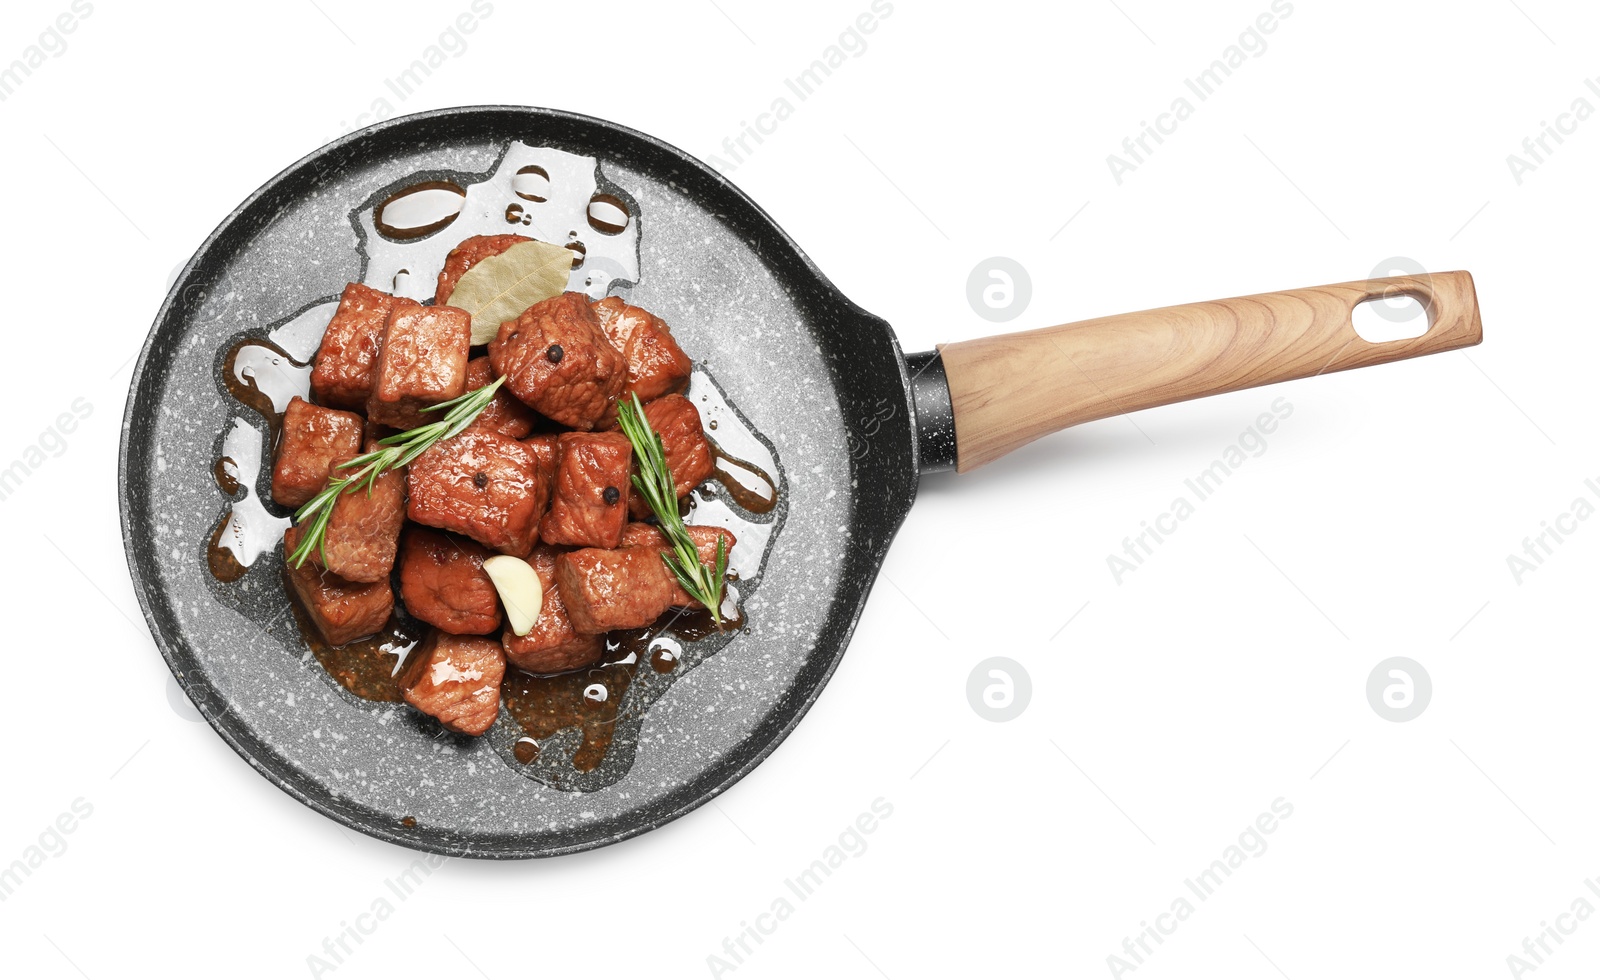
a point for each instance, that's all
(1009, 390)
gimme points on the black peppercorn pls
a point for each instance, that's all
(612, 495)
(480, 480)
(555, 353)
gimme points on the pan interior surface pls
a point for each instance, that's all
(818, 378)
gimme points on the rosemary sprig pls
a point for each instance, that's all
(654, 480)
(398, 450)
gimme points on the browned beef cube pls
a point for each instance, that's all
(423, 362)
(442, 582)
(546, 449)
(552, 646)
(556, 359)
(588, 498)
(689, 459)
(466, 255)
(705, 543)
(481, 484)
(363, 531)
(613, 588)
(341, 610)
(342, 377)
(456, 679)
(313, 438)
(638, 534)
(504, 414)
(656, 364)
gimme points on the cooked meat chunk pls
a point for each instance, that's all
(638, 534)
(423, 362)
(556, 359)
(342, 377)
(481, 484)
(363, 531)
(656, 364)
(613, 588)
(689, 459)
(552, 646)
(456, 679)
(588, 498)
(466, 255)
(705, 543)
(504, 414)
(546, 450)
(442, 582)
(341, 610)
(313, 438)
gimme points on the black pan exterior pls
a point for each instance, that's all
(818, 377)
(936, 415)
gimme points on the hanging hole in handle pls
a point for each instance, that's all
(1399, 315)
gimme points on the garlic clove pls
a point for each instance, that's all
(520, 590)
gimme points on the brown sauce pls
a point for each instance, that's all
(226, 480)
(584, 699)
(532, 183)
(264, 377)
(690, 625)
(365, 668)
(746, 484)
(261, 375)
(665, 654)
(420, 209)
(607, 214)
(224, 566)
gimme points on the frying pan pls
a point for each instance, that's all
(854, 423)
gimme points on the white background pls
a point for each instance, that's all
(1228, 672)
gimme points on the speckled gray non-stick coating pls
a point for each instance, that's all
(818, 377)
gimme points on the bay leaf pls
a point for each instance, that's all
(501, 286)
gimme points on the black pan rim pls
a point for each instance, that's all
(252, 750)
